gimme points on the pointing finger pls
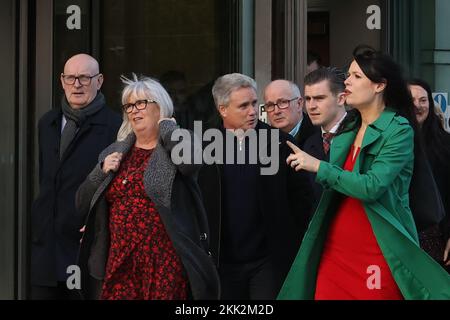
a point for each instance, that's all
(293, 147)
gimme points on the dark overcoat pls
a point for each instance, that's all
(55, 227)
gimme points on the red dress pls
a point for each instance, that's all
(351, 249)
(142, 262)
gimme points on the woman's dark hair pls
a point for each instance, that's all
(381, 68)
(433, 132)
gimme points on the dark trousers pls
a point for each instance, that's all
(60, 292)
(248, 281)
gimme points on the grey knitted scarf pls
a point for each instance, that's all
(75, 119)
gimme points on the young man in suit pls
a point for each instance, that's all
(324, 100)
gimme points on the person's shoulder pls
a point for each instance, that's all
(400, 120)
(110, 111)
(50, 116)
(391, 122)
(313, 140)
(401, 126)
(399, 129)
(308, 127)
(111, 116)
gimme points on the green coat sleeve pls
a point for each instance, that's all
(394, 155)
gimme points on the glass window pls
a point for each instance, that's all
(335, 28)
(420, 42)
(71, 35)
(185, 44)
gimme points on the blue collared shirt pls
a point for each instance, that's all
(296, 128)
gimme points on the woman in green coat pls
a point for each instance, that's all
(362, 241)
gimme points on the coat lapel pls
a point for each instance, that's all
(372, 134)
(374, 130)
(340, 146)
(84, 129)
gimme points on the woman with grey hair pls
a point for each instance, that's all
(146, 234)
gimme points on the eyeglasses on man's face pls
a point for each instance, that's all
(139, 105)
(281, 104)
(83, 79)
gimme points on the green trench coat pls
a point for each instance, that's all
(380, 179)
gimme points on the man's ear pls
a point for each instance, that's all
(341, 99)
(62, 81)
(223, 111)
(99, 81)
(300, 104)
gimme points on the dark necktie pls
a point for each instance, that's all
(326, 137)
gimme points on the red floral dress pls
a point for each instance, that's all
(350, 251)
(142, 262)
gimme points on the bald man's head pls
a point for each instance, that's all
(85, 60)
(284, 98)
(83, 71)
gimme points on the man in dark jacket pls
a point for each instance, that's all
(256, 217)
(284, 106)
(325, 104)
(70, 140)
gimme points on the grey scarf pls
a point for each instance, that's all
(75, 119)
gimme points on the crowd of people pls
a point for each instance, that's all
(357, 208)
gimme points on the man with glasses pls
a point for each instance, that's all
(71, 136)
(256, 221)
(284, 106)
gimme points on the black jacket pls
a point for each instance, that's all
(441, 173)
(314, 147)
(424, 197)
(55, 227)
(176, 195)
(307, 129)
(285, 204)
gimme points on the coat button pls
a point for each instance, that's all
(203, 237)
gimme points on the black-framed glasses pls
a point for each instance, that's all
(281, 103)
(84, 79)
(139, 105)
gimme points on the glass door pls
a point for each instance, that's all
(184, 44)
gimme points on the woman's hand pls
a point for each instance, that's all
(447, 253)
(112, 162)
(301, 160)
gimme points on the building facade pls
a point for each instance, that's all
(188, 44)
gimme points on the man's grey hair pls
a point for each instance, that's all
(143, 88)
(225, 85)
(295, 90)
